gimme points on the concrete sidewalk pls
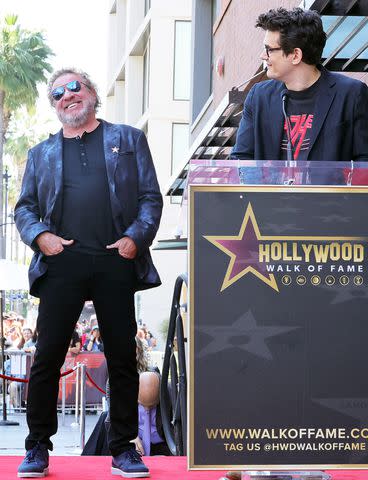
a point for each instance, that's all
(66, 441)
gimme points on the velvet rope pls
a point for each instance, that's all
(94, 384)
(64, 374)
(25, 380)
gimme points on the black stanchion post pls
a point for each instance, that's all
(4, 421)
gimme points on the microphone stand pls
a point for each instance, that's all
(289, 148)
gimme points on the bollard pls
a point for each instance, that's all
(77, 388)
(83, 378)
(63, 385)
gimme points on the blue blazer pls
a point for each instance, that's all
(340, 124)
(136, 201)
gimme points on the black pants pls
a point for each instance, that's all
(71, 279)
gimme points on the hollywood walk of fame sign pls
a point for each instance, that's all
(278, 327)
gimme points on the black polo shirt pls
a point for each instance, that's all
(86, 209)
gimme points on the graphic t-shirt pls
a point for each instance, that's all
(300, 108)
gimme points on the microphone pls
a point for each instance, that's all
(251, 78)
(289, 148)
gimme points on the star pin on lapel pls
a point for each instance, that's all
(115, 149)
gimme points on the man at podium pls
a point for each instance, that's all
(304, 112)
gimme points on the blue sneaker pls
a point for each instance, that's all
(129, 464)
(36, 463)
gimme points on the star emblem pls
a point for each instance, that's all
(244, 334)
(243, 252)
(349, 293)
(115, 149)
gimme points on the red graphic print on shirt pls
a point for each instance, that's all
(299, 126)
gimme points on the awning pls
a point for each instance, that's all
(13, 276)
(171, 244)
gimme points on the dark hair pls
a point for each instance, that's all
(298, 29)
(86, 79)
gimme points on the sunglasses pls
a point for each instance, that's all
(73, 86)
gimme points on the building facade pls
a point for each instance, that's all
(226, 49)
(149, 88)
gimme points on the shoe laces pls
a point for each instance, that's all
(37, 451)
(134, 456)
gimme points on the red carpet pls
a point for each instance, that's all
(162, 468)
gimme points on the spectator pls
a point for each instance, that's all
(142, 335)
(27, 334)
(142, 357)
(151, 341)
(150, 440)
(15, 337)
(30, 340)
(18, 338)
(75, 344)
(94, 344)
(85, 335)
(7, 322)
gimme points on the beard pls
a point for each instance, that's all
(77, 119)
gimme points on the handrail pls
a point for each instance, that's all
(174, 406)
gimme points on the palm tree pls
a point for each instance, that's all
(23, 132)
(23, 64)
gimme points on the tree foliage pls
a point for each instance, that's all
(23, 65)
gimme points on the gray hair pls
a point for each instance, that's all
(86, 79)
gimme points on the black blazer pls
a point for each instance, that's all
(340, 125)
(136, 201)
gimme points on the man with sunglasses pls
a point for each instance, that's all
(90, 207)
(326, 114)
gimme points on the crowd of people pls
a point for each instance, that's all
(19, 336)
(17, 333)
(86, 336)
(147, 338)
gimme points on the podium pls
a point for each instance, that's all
(278, 315)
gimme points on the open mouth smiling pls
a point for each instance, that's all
(71, 105)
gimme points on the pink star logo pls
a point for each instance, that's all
(243, 251)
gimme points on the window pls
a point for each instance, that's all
(147, 6)
(216, 6)
(201, 88)
(182, 58)
(180, 144)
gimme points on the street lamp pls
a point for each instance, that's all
(6, 178)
